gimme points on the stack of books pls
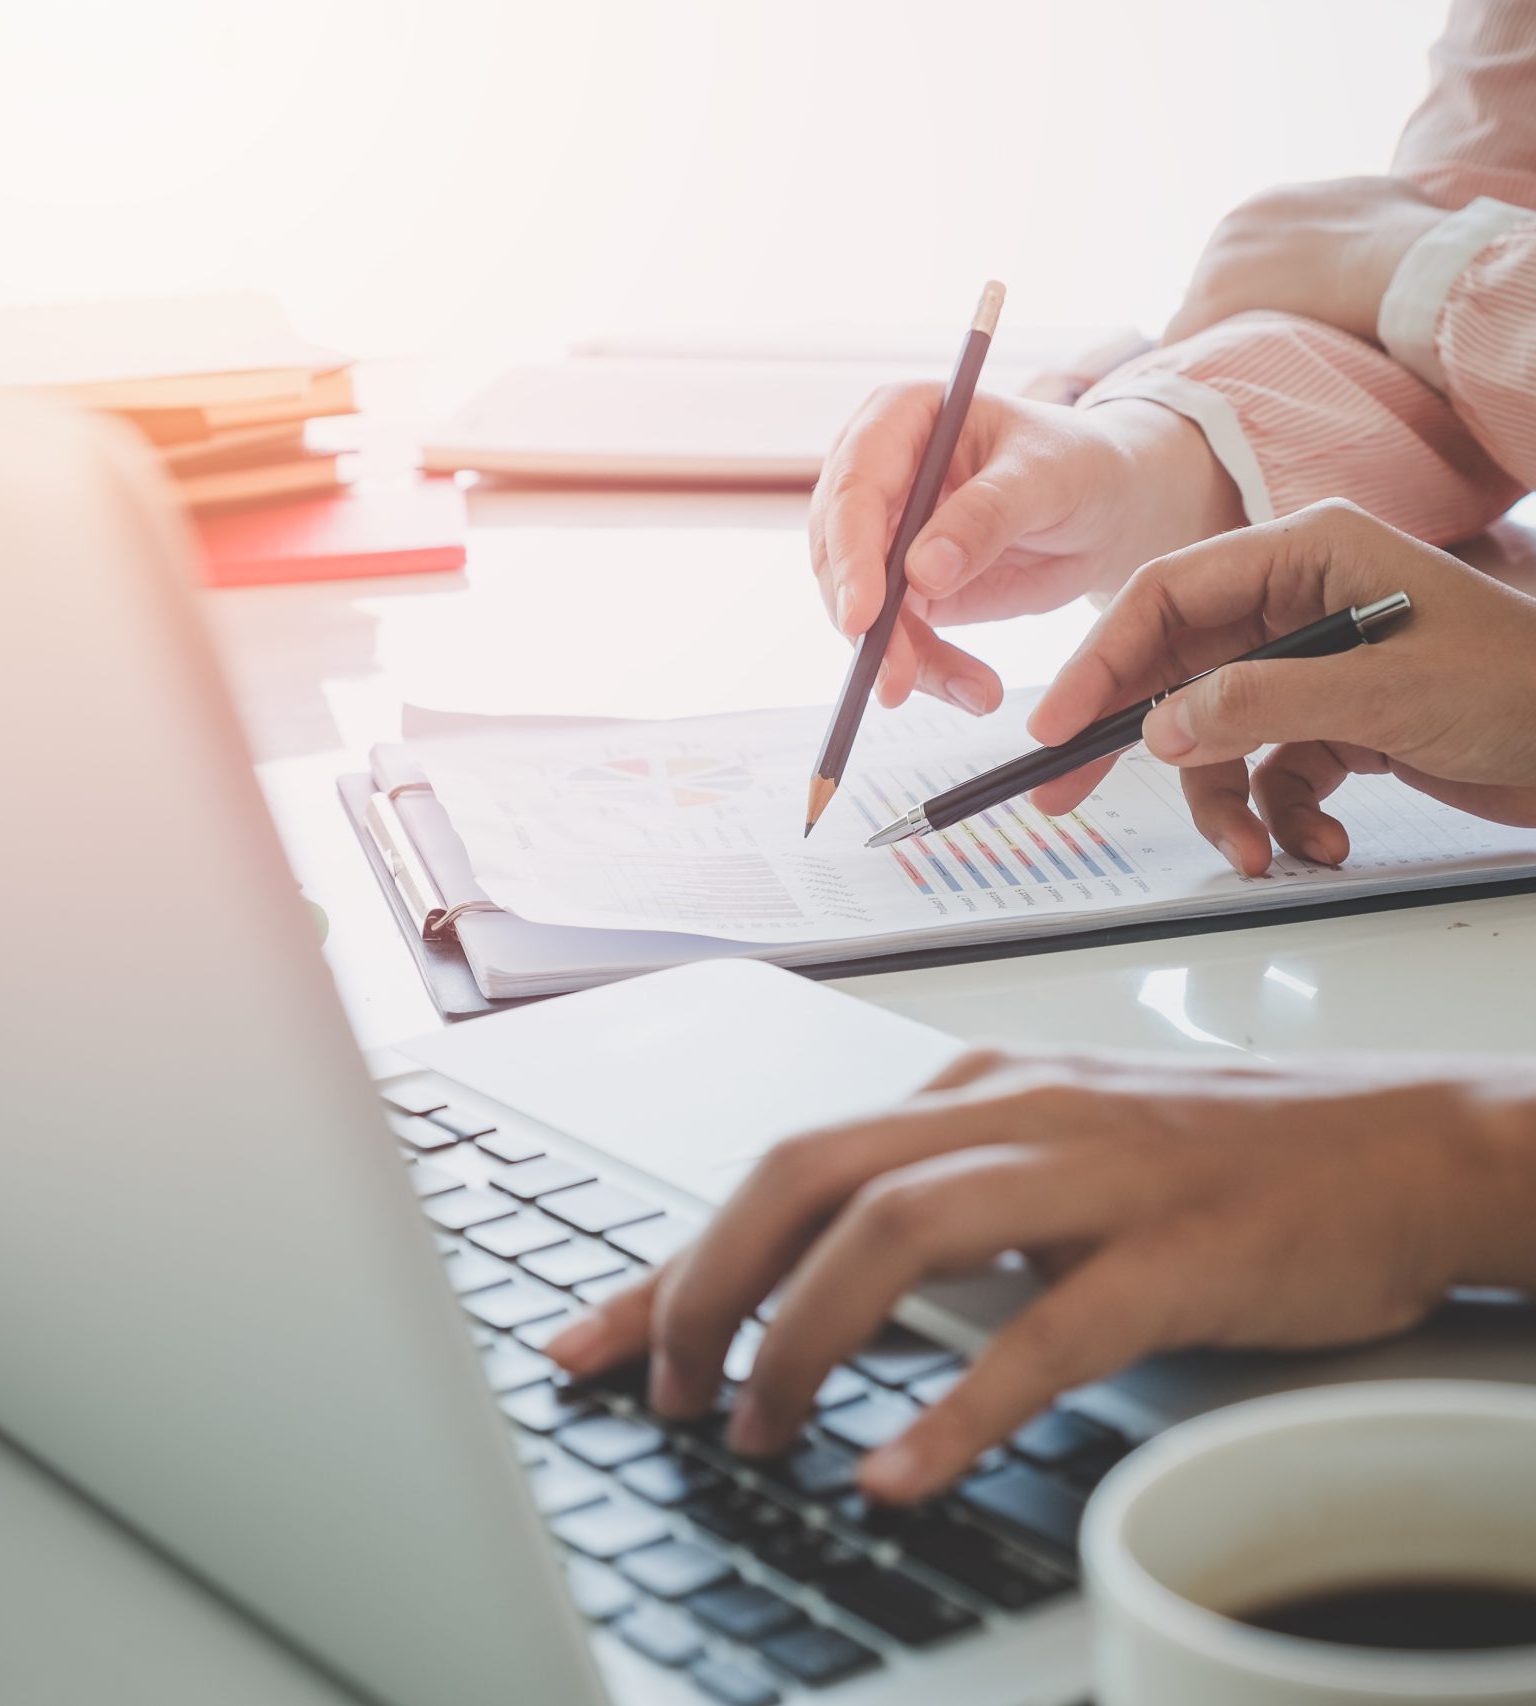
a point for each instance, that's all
(221, 386)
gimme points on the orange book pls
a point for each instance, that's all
(408, 529)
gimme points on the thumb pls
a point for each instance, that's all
(975, 524)
(1243, 706)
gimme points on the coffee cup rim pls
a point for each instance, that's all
(1113, 1574)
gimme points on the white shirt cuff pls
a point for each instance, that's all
(1216, 418)
(1410, 310)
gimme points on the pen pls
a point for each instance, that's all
(1361, 624)
(870, 647)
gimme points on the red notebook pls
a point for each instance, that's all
(365, 530)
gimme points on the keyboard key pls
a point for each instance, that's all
(654, 1241)
(1020, 1497)
(513, 1303)
(416, 1095)
(745, 1611)
(594, 1208)
(896, 1605)
(598, 1291)
(608, 1530)
(733, 1683)
(673, 1569)
(841, 1386)
(1057, 1436)
(869, 1421)
(736, 1513)
(966, 1554)
(899, 1356)
(543, 1408)
(515, 1234)
(420, 1133)
(560, 1487)
(568, 1265)
(628, 1380)
(509, 1146)
(606, 1442)
(932, 1387)
(529, 1179)
(429, 1181)
(461, 1122)
(473, 1270)
(537, 1334)
(456, 1210)
(601, 1594)
(509, 1366)
(806, 1554)
(669, 1478)
(815, 1471)
(816, 1655)
(661, 1634)
(742, 1353)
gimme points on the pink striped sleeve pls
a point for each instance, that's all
(1485, 339)
(1475, 133)
(1297, 411)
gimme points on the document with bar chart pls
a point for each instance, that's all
(694, 827)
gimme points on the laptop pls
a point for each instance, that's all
(285, 1323)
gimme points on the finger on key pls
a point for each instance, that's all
(618, 1330)
(942, 1214)
(1109, 1311)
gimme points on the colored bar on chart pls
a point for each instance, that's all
(920, 882)
(865, 813)
(966, 863)
(1074, 847)
(1013, 847)
(990, 854)
(1104, 845)
(1041, 843)
(946, 875)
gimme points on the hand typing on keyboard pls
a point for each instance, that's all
(1168, 1203)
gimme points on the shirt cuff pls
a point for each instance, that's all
(1410, 310)
(1209, 410)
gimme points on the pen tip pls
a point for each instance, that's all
(809, 827)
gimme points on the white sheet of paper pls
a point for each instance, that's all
(695, 826)
(691, 1074)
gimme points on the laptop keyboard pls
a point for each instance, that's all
(748, 1575)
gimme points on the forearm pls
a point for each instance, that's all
(1298, 412)
(1180, 492)
(1493, 1222)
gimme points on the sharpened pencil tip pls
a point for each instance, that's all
(820, 797)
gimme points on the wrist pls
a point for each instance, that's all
(1176, 490)
(1371, 263)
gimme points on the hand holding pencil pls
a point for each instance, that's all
(870, 647)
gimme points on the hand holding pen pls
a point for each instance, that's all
(1448, 706)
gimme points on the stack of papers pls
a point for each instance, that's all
(613, 846)
(220, 385)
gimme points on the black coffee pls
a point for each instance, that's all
(1416, 1616)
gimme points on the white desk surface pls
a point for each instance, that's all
(620, 604)
(550, 617)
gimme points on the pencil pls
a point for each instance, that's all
(870, 647)
(1360, 625)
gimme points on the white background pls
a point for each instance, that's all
(495, 175)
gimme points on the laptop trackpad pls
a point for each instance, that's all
(690, 1074)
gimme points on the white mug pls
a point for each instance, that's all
(1311, 1491)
